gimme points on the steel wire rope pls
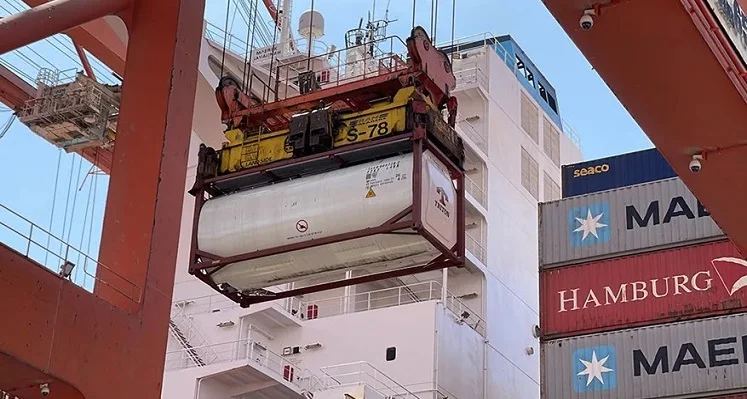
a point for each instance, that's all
(246, 82)
(90, 228)
(435, 24)
(413, 13)
(272, 62)
(6, 126)
(85, 219)
(311, 27)
(252, 13)
(225, 38)
(75, 201)
(67, 204)
(54, 204)
(97, 65)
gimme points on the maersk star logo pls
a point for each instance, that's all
(589, 225)
(594, 369)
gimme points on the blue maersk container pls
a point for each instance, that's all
(614, 172)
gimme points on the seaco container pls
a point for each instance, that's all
(627, 220)
(698, 358)
(615, 172)
(655, 287)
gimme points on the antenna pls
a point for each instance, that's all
(373, 16)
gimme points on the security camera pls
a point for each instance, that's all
(587, 20)
(695, 165)
(44, 389)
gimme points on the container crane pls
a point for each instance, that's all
(361, 173)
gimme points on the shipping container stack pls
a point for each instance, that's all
(641, 294)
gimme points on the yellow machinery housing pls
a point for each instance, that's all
(316, 131)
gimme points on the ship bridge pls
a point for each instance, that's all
(678, 67)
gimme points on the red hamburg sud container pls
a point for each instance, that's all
(650, 288)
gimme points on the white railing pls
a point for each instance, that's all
(363, 373)
(476, 191)
(479, 138)
(254, 354)
(219, 303)
(43, 247)
(568, 130)
(182, 328)
(489, 40)
(475, 247)
(474, 75)
(354, 303)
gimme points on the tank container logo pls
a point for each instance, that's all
(594, 369)
(589, 225)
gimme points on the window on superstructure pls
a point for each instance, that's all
(288, 373)
(391, 353)
(551, 141)
(312, 312)
(529, 117)
(552, 189)
(543, 92)
(529, 173)
(552, 103)
(520, 67)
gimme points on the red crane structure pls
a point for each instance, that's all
(679, 69)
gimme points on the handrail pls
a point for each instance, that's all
(67, 254)
(474, 246)
(354, 303)
(571, 133)
(243, 349)
(476, 191)
(364, 373)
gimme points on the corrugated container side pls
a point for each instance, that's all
(689, 359)
(615, 172)
(655, 287)
(627, 220)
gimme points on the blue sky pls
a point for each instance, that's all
(31, 165)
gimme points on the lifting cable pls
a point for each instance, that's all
(246, 82)
(67, 204)
(435, 25)
(6, 126)
(233, 19)
(90, 227)
(433, 4)
(225, 38)
(413, 14)
(85, 221)
(54, 203)
(75, 200)
(311, 27)
(453, 20)
(272, 63)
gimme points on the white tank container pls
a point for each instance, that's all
(324, 205)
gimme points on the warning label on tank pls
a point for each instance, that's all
(302, 226)
(370, 193)
(376, 176)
